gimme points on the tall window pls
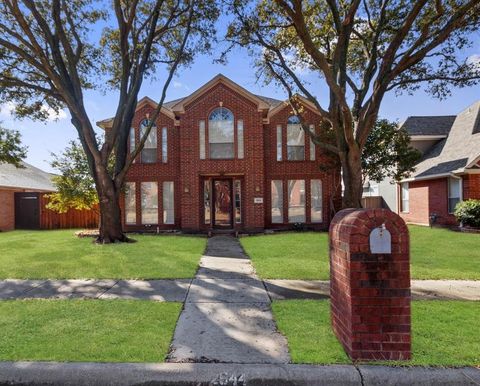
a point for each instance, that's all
(405, 196)
(295, 140)
(277, 201)
(201, 138)
(164, 145)
(168, 203)
(238, 201)
(316, 201)
(149, 152)
(149, 193)
(206, 201)
(296, 201)
(240, 151)
(312, 145)
(454, 193)
(130, 203)
(132, 140)
(221, 137)
(279, 142)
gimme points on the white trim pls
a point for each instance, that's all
(426, 137)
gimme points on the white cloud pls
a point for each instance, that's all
(177, 84)
(7, 109)
(53, 115)
(474, 59)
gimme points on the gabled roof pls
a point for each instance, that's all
(456, 153)
(107, 123)
(433, 125)
(179, 107)
(28, 177)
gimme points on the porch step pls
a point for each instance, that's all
(229, 232)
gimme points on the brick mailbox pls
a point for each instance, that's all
(370, 284)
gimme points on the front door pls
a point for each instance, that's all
(222, 203)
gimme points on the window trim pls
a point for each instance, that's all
(164, 145)
(280, 199)
(164, 215)
(127, 192)
(290, 221)
(312, 181)
(153, 130)
(141, 203)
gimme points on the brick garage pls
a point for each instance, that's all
(431, 197)
(243, 180)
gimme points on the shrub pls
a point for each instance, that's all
(468, 213)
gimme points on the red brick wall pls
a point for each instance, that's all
(471, 186)
(7, 210)
(255, 170)
(370, 292)
(294, 170)
(419, 207)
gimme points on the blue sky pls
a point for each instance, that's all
(53, 136)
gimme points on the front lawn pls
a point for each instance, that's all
(61, 255)
(435, 254)
(445, 333)
(86, 330)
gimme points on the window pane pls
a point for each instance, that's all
(295, 140)
(240, 138)
(238, 201)
(405, 197)
(149, 193)
(168, 203)
(316, 201)
(130, 203)
(454, 193)
(279, 143)
(221, 150)
(164, 145)
(149, 152)
(132, 140)
(312, 145)
(296, 201)
(206, 201)
(201, 135)
(277, 201)
(221, 133)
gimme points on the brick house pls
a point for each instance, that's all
(449, 170)
(224, 158)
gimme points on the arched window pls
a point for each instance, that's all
(295, 139)
(221, 137)
(149, 151)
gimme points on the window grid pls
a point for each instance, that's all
(240, 149)
(164, 145)
(279, 142)
(130, 204)
(168, 202)
(312, 145)
(296, 201)
(316, 201)
(201, 135)
(277, 201)
(454, 193)
(405, 196)
(149, 195)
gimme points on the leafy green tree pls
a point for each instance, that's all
(360, 51)
(75, 187)
(387, 153)
(11, 149)
(51, 52)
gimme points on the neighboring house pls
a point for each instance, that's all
(20, 190)
(449, 170)
(224, 158)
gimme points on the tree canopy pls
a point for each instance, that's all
(11, 149)
(360, 50)
(52, 51)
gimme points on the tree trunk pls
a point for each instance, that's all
(352, 178)
(110, 213)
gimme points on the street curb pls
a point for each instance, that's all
(93, 374)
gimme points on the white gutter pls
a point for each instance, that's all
(435, 176)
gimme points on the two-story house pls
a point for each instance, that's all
(224, 158)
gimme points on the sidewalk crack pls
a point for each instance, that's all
(362, 381)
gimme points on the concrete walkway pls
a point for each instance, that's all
(208, 279)
(227, 316)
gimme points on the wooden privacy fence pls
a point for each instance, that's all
(71, 219)
(373, 202)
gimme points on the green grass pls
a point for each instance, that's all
(61, 255)
(445, 333)
(86, 330)
(444, 254)
(435, 254)
(289, 255)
